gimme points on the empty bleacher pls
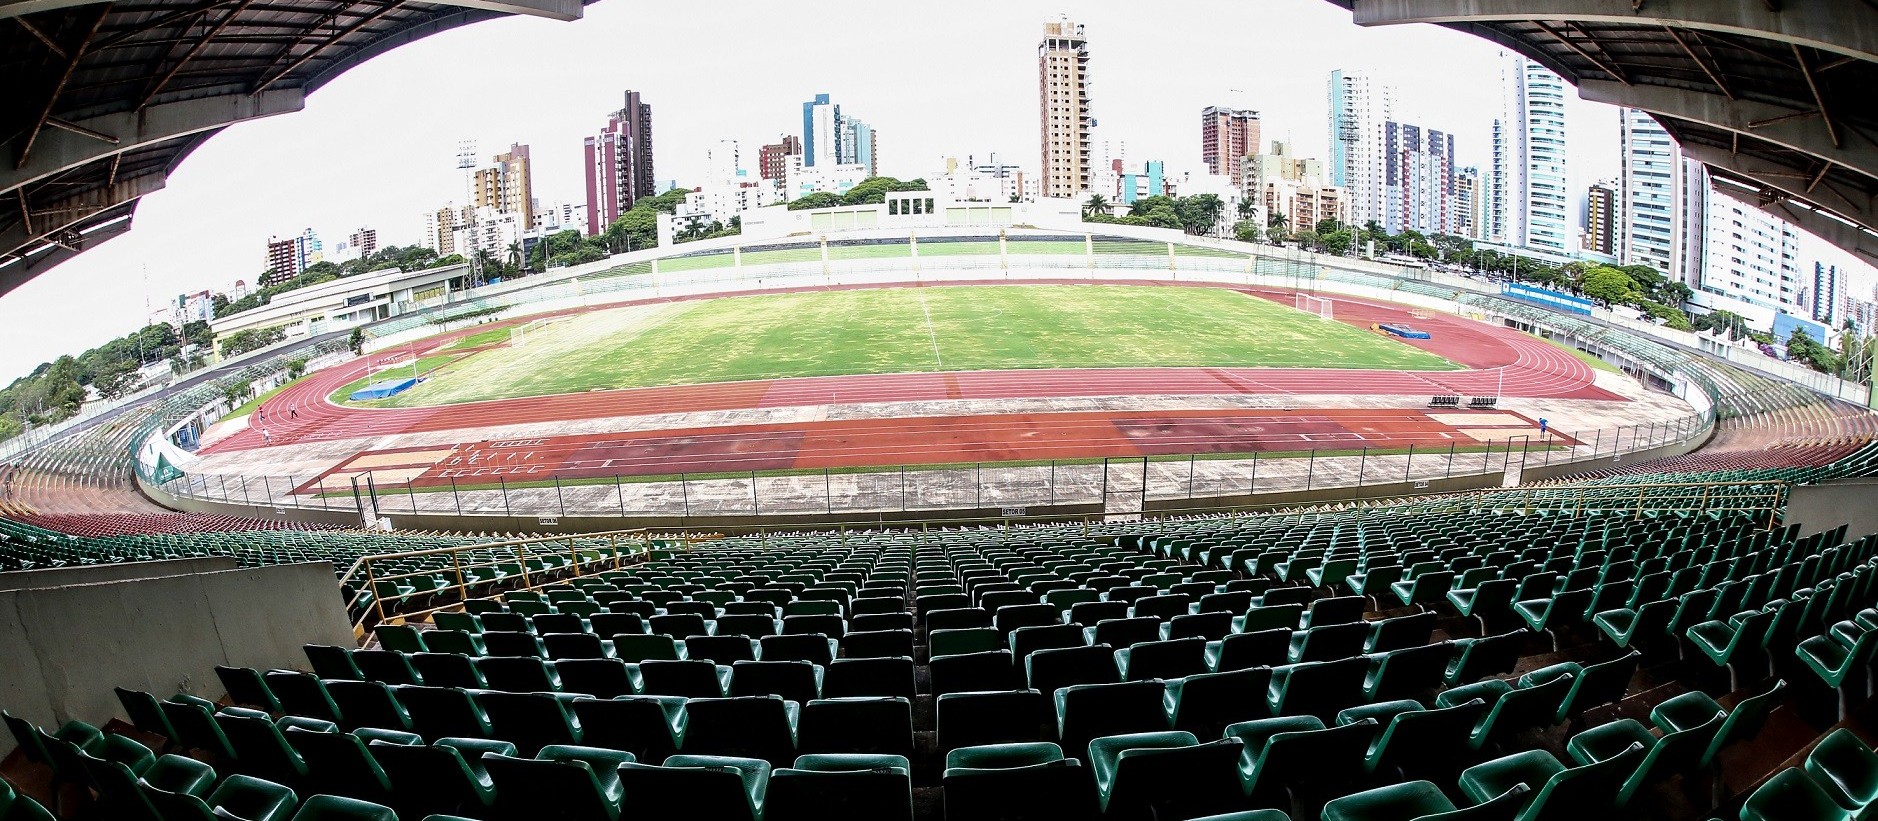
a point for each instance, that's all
(1369, 663)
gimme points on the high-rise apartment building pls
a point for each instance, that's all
(1063, 108)
(1418, 180)
(821, 132)
(1753, 257)
(1826, 295)
(773, 159)
(289, 258)
(1360, 106)
(1283, 184)
(1528, 202)
(507, 186)
(1468, 200)
(1601, 218)
(858, 146)
(1650, 227)
(365, 241)
(1226, 135)
(440, 228)
(619, 164)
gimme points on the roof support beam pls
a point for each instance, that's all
(1783, 181)
(49, 218)
(1832, 229)
(1850, 29)
(1804, 131)
(550, 9)
(63, 150)
(58, 88)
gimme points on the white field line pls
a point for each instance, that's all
(929, 332)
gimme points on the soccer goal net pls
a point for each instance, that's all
(518, 336)
(1315, 305)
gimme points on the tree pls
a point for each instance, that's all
(1248, 208)
(1096, 204)
(1336, 242)
(1277, 226)
(1609, 284)
(1247, 230)
(1198, 214)
(296, 367)
(819, 199)
(357, 341)
(1802, 348)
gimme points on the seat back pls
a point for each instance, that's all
(1583, 792)
(1177, 782)
(531, 788)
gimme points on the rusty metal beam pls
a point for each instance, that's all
(52, 46)
(315, 50)
(52, 99)
(194, 50)
(1818, 99)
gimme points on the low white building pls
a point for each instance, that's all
(911, 209)
(721, 201)
(491, 232)
(800, 181)
(354, 300)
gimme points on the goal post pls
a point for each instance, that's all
(518, 335)
(1312, 304)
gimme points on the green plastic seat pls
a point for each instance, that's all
(260, 748)
(1299, 754)
(16, 807)
(246, 688)
(339, 808)
(1021, 781)
(1599, 684)
(1522, 708)
(1407, 672)
(340, 764)
(1693, 708)
(841, 786)
(1477, 658)
(240, 796)
(1728, 644)
(1566, 792)
(1835, 662)
(1396, 802)
(1424, 743)
(446, 776)
(563, 781)
(1627, 627)
(964, 640)
(1164, 775)
(1791, 796)
(1673, 754)
(1845, 768)
(695, 786)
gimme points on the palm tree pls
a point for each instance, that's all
(1276, 225)
(515, 256)
(1096, 204)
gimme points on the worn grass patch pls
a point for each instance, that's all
(898, 330)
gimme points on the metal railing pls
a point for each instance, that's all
(480, 571)
(1117, 484)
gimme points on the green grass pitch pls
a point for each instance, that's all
(897, 330)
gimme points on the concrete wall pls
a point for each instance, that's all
(119, 571)
(62, 649)
(1850, 502)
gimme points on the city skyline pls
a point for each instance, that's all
(204, 230)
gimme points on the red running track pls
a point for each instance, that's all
(1500, 360)
(936, 440)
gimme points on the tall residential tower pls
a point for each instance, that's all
(1226, 135)
(1360, 105)
(619, 164)
(1527, 202)
(1063, 108)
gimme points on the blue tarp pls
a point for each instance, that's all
(1405, 331)
(380, 390)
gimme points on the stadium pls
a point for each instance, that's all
(962, 512)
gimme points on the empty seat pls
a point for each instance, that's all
(690, 678)
(530, 721)
(1167, 774)
(841, 786)
(564, 782)
(649, 727)
(1016, 782)
(748, 727)
(856, 726)
(1087, 711)
(686, 787)
(869, 677)
(981, 718)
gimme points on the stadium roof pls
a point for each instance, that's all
(103, 99)
(1775, 96)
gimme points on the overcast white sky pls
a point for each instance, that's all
(377, 146)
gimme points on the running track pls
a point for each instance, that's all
(1498, 359)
